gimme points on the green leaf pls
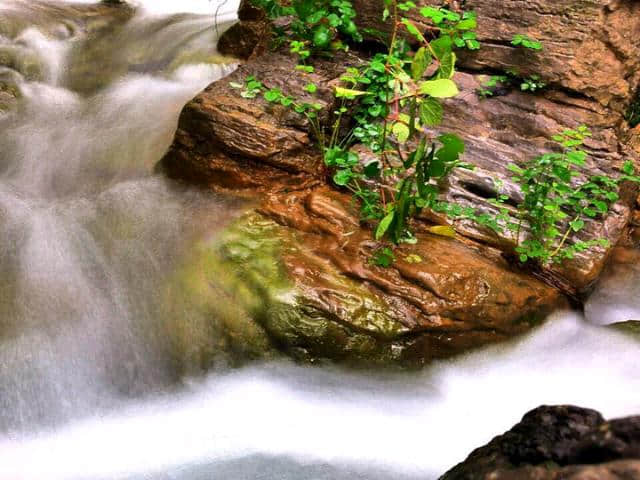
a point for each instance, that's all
(401, 131)
(413, 258)
(272, 95)
(452, 148)
(577, 157)
(601, 206)
(628, 168)
(441, 88)
(435, 14)
(468, 24)
(421, 62)
(437, 167)
(577, 225)
(383, 257)
(348, 93)
(431, 112)
(321, 37)
(343, 177)
(447, 65)
(413, 30)
(443, 231)
(384, 224)
(441, 46)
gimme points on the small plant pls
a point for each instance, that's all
(501, 84)
(632, 115)
(520, 40)
(557, 204)
(317, 27)
(495, 85)
(396, 98)
(532, 84)
(383, 257)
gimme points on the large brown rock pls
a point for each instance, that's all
(590, 46)
(441, 297)
(553, 443)
(224, 140)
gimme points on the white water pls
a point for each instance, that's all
(325, 423)
(225, 8)
(87, 235)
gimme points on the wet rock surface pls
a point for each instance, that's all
(450, 296)
(302, 273)
(562, 442)
(248, 147)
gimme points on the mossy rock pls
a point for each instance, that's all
(249, 286)
(631, 327)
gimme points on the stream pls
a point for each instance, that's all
(90, 236)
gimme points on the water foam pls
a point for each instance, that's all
(416, 425)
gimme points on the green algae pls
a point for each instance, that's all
(241, 282)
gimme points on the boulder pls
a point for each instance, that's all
(442, 296)
(553, 443)
(274, 150)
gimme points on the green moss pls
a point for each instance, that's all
(632, 327)
(242, 280)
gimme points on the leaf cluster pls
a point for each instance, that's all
(317, 26)
(395, 99)
(558, 200)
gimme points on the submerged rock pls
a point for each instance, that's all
(553, 443)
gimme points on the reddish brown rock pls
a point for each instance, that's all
(227, 141)
(446, 296)
(246, 143)
(516, 128)
(590, 46)
(442, 296)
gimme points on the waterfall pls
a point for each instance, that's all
(90, 237)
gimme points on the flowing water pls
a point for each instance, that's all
(90, 236)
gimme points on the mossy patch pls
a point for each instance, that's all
(245, 285)
(632, 327)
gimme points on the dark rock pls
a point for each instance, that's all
(250, 36)
(614, 440)
(558, 443)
